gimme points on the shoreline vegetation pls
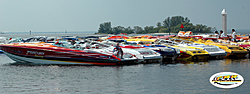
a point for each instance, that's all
(169, 25)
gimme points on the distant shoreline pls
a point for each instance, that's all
(90, 33)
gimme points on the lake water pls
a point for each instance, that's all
(167, 77)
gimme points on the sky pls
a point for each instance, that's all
(87, 15)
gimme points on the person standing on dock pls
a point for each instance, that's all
(233, 35)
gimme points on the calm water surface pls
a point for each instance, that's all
(169, 77)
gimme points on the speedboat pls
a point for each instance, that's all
(44, 53)
(214, 51)
(191, 54)
(129, 56)
(166, 52)
(141, 40)
(149, 55)
(232, 50)
(3, 40)
(186, 53)
(16, 40)
(245, 44)
(1, 50)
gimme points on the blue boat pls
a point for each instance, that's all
(168, 53)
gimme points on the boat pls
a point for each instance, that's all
(0, 49)
(214, 51)
(15, 40)
(186, 53)
(149, 55)
(36, 39)
(141, 40)
(166, 52)
(245, 44)
(189, 54)
(129, 56)
(232, 50)
(45, 53)
(3, 40)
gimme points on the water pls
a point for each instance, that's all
(27, 34)
(86, 33)
(169, 77)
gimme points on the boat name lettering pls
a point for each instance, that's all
(35, 53)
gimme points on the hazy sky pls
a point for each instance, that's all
(87, 15)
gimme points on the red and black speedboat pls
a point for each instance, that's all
(43, 53)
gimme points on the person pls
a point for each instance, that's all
(118, 50)
(73, 42)
(221, 34)
(233, 35)
(216, 34)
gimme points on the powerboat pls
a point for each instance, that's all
(149, 55)
(190, 54)
(214, 51)
(186, 53)
(3, 40)
(45, 53)
(167, 53)
(232, 50)
(1, 51)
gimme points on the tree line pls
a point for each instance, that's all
(169, 25)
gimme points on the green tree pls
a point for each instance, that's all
(176, 20)
(187, 20)
(138, 30)
(157, 29)
(169, 25)
(163, 30)
(118, 29)
(149, 29)
(167, 22)
(128, 30)
(105, 27)
(158, 24)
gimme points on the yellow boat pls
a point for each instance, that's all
(190, 54)
(141, 40)
(232, 50)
